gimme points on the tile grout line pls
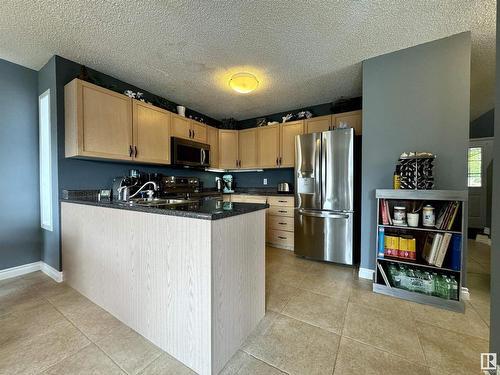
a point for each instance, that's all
(418, 336)
(260, 360)
(342, 331)
(83, 333)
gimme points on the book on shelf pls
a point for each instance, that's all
(447, 215)
(455, 255)
(381, 241)
(431, 247)
(443, 248)
(388, 212)
(383, 212)
(384, 276)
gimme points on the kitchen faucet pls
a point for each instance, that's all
(125, 195)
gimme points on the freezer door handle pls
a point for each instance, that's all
(325, 215)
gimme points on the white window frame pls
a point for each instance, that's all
(45, 162)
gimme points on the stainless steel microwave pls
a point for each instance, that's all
(189, 153)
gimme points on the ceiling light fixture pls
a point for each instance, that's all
(243, 82)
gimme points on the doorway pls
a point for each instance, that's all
(479, 183)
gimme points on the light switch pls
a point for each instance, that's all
(265, 181)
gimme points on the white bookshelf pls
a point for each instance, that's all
(404, 197)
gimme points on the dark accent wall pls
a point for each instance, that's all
(20, 233)
(495, 227)
(316, 110)
(416, 99)
(483, 126)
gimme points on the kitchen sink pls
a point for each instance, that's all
(156, 202)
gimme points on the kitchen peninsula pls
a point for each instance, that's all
(190, 279)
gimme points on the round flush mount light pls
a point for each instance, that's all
(243, 83)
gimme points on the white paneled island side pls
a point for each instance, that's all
(194, 287)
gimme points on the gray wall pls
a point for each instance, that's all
(495, 244)
(483, 126)
(414, 99)
(19, 190)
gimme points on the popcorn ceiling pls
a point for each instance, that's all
(305, 52)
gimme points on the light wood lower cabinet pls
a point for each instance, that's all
(228, 149)
(279, 218)
(98, 122)
(151, 133)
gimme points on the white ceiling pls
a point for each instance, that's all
(304, 52)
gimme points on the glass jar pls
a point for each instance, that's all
(399, 215)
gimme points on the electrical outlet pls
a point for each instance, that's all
(265, 181)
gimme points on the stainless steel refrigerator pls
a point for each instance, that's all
(324, 179)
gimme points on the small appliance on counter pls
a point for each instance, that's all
(121, 187)
(219, 184)
(228, 183)
(284, 188)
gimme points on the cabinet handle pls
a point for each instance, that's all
(283, 212)
(282, 202)
(130, 151)
(280, 160)
(282, 238)
(236, 163)
(282, 223)
(190, 131)
(135, 150)
(277, 161)
(193, 133)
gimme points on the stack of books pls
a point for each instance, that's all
(436, 247)
(447, 215)
(384, 210)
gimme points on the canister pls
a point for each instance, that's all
(428, 216)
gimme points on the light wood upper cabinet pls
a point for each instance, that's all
(228, 149)
(151, 126)
(318, 124)
(198, 131)
(213, 141)
(268, 146)
(181, 128)
(98, 122)
(185, 128)
(288, 131)
(247, 148)
(352, 119)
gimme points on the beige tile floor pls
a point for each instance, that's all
(320, 319)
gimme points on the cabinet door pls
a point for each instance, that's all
(106, 123)
(198, 132)
(351, 119)
(268, 146)
(151, 133)
(287, 140)
(318, 124)
(228, 149)
(213, 141)
(180, 127)
(247, 148)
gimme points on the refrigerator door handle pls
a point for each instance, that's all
(327, 215)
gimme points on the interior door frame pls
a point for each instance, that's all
(486, 145)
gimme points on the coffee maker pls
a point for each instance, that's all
(228, 183)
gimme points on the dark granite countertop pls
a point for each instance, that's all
(202, 209)
(260, 191)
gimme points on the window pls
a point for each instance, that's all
(474, 170)
(45, 161)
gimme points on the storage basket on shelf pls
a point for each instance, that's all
(416, 170)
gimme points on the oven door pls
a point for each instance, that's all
(189, 153)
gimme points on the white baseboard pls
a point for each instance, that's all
(366, 273)
(51, 272)
(464, 294)
(32, 267)
(19, 270)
